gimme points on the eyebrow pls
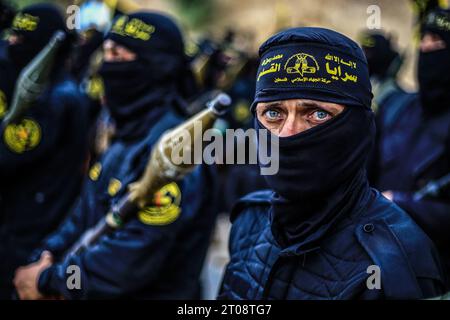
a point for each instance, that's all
(309, 104)
(273, 104)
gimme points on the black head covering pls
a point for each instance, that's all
(379, 53)
(138, 92)
(308, 62)
(321, 176)
(434, 67)
(36, 24)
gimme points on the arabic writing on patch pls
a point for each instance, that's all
(336, 71)
(269, 60)
(338, 60)
(310, 79)
(274, 67)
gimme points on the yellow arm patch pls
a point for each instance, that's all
(165, 207)
(22, 137)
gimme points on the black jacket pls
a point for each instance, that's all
(377, 234)
(41, 169)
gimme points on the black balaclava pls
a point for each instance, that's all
(321, 176)
(379, 53)
(36, 24)
(138, 92)
(434, 67)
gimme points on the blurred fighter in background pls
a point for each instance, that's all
(384, 62)
(42, 156)
(159, 253)
(413, 147)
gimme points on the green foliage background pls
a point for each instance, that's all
(197, 13)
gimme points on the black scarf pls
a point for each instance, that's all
(434, 80)
(138, 92)
(321, 177)
(434, 67)
(135, 100)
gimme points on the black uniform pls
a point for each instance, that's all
(413, 147)
(159, 253)
(42, 157)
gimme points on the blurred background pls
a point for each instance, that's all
(255, 20)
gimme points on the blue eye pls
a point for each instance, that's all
(321, 115)
(272, 114)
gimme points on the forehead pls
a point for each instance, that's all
(111, 44)
(430, 34)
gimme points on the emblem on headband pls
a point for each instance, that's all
(439, 21)
(304, 67)
(22, 137)
(166, 206)
(3, 104)
(25, 22)
(301, 63)
(367, 41)
(135, 28)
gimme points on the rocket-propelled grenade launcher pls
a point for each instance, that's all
(160, 170)
(33, 79)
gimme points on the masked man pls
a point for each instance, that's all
(42, 156)
(159, 253)
(322, 232)
(384, 62)
(413, 148)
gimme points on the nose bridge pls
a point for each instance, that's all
(294, 124)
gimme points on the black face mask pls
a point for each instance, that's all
(321, 175)
(124, 82)
(134, 97)
(434, 80)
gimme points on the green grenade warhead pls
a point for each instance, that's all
(33, 79)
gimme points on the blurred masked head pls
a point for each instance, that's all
(434, 62)
(32, 29)
(379, 53)
(144, 57)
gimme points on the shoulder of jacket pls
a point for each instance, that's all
(398, 246)
(257, 199)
